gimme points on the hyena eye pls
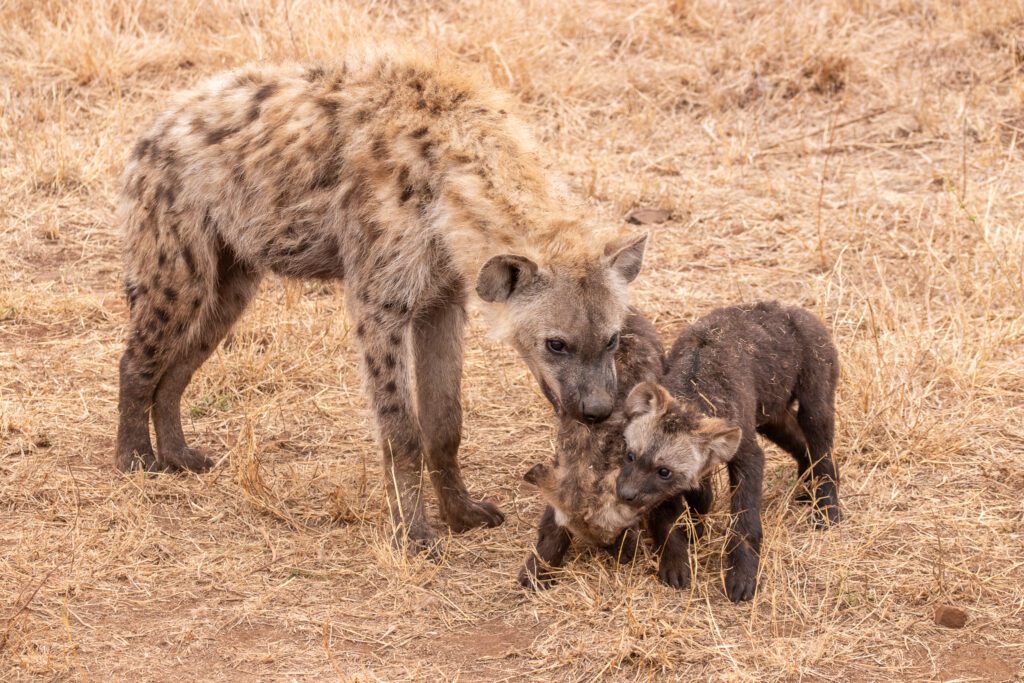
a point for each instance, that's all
(613, 342)
(556, 345)
(630, 456)
(665, 473)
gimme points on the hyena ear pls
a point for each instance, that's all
(536, 474)
(721, 439)
(502, 275)
(626, 255)
(646, 397)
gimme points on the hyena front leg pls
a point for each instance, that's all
(437, 350)
(384, 335)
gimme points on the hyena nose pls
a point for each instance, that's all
(595, 410)
(626, 493)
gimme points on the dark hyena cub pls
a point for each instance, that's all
(579, 487)
(735, 373)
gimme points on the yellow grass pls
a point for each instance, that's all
(861, 158)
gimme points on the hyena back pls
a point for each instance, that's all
(408, 181)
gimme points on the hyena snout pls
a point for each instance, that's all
(596, 405)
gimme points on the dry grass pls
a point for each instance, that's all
(861, 158)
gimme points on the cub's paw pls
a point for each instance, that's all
(741, 582)
(534, 578)
(186, 460)
(674, 571)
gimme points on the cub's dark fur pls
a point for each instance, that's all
(580, 486)
(737, 372)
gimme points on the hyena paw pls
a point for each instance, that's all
(825, 515)
(674, 571)
(741, 580)
(465, 514)
(186, 460)
(421, 540)
(532, 577)
(130, 461)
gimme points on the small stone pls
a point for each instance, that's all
(645, 216)
(950, 617)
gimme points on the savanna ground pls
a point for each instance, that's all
(860, 158)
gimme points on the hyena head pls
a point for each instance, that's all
(564, 320)
(670, 447)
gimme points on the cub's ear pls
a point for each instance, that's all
(626, 255)
(536, 474)
(646, 397)
(502, 275)
(721, 439)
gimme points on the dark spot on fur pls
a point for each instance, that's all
(406, 194)
(196, 303)
(142, 148)
(209, 224)
(215, 136)
(362, 116)
(389, 409)
(180, 328)
(426, 150)
(314, 73)
(360, 330)
(161, 315)
(380, 149)
(161, 258)
(390, 387)
(170, 294)
(189, 259)
(329, 105)
(395, 339)
(389, 361)
(419, 132)
(149, 350)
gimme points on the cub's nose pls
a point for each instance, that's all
(626, 492)
(595, 409)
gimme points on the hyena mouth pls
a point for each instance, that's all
(551, 397)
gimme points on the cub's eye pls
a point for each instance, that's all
(665, 473)
(613, 343)
(556, 346)
(630, 456)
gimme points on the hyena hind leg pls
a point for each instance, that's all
(138, 379)
(237, 286)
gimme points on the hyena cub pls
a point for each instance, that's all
(415, 184)
(737, 372)
(579, 488)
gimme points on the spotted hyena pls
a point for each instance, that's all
(415, 184)
(737, 372)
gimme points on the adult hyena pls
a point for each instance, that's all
(411, 182)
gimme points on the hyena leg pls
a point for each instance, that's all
(746, 472)
(552, 543)
(385, 342)
(624, 548)
(236, 286)
(671, 541)
(818, 426)
(135, 396)
(437, 351)
(785, 433)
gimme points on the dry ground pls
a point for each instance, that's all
(861, 158)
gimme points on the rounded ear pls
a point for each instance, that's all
(646, 397)
(626, 255)
(721, 439)
(502, 275)
(535, 474)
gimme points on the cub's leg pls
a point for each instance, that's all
(437, 349)
(746, 472)
(672, 539)
(236, 286)
(817, 420)
(552, 544)
(785, 433)
(625, 546)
